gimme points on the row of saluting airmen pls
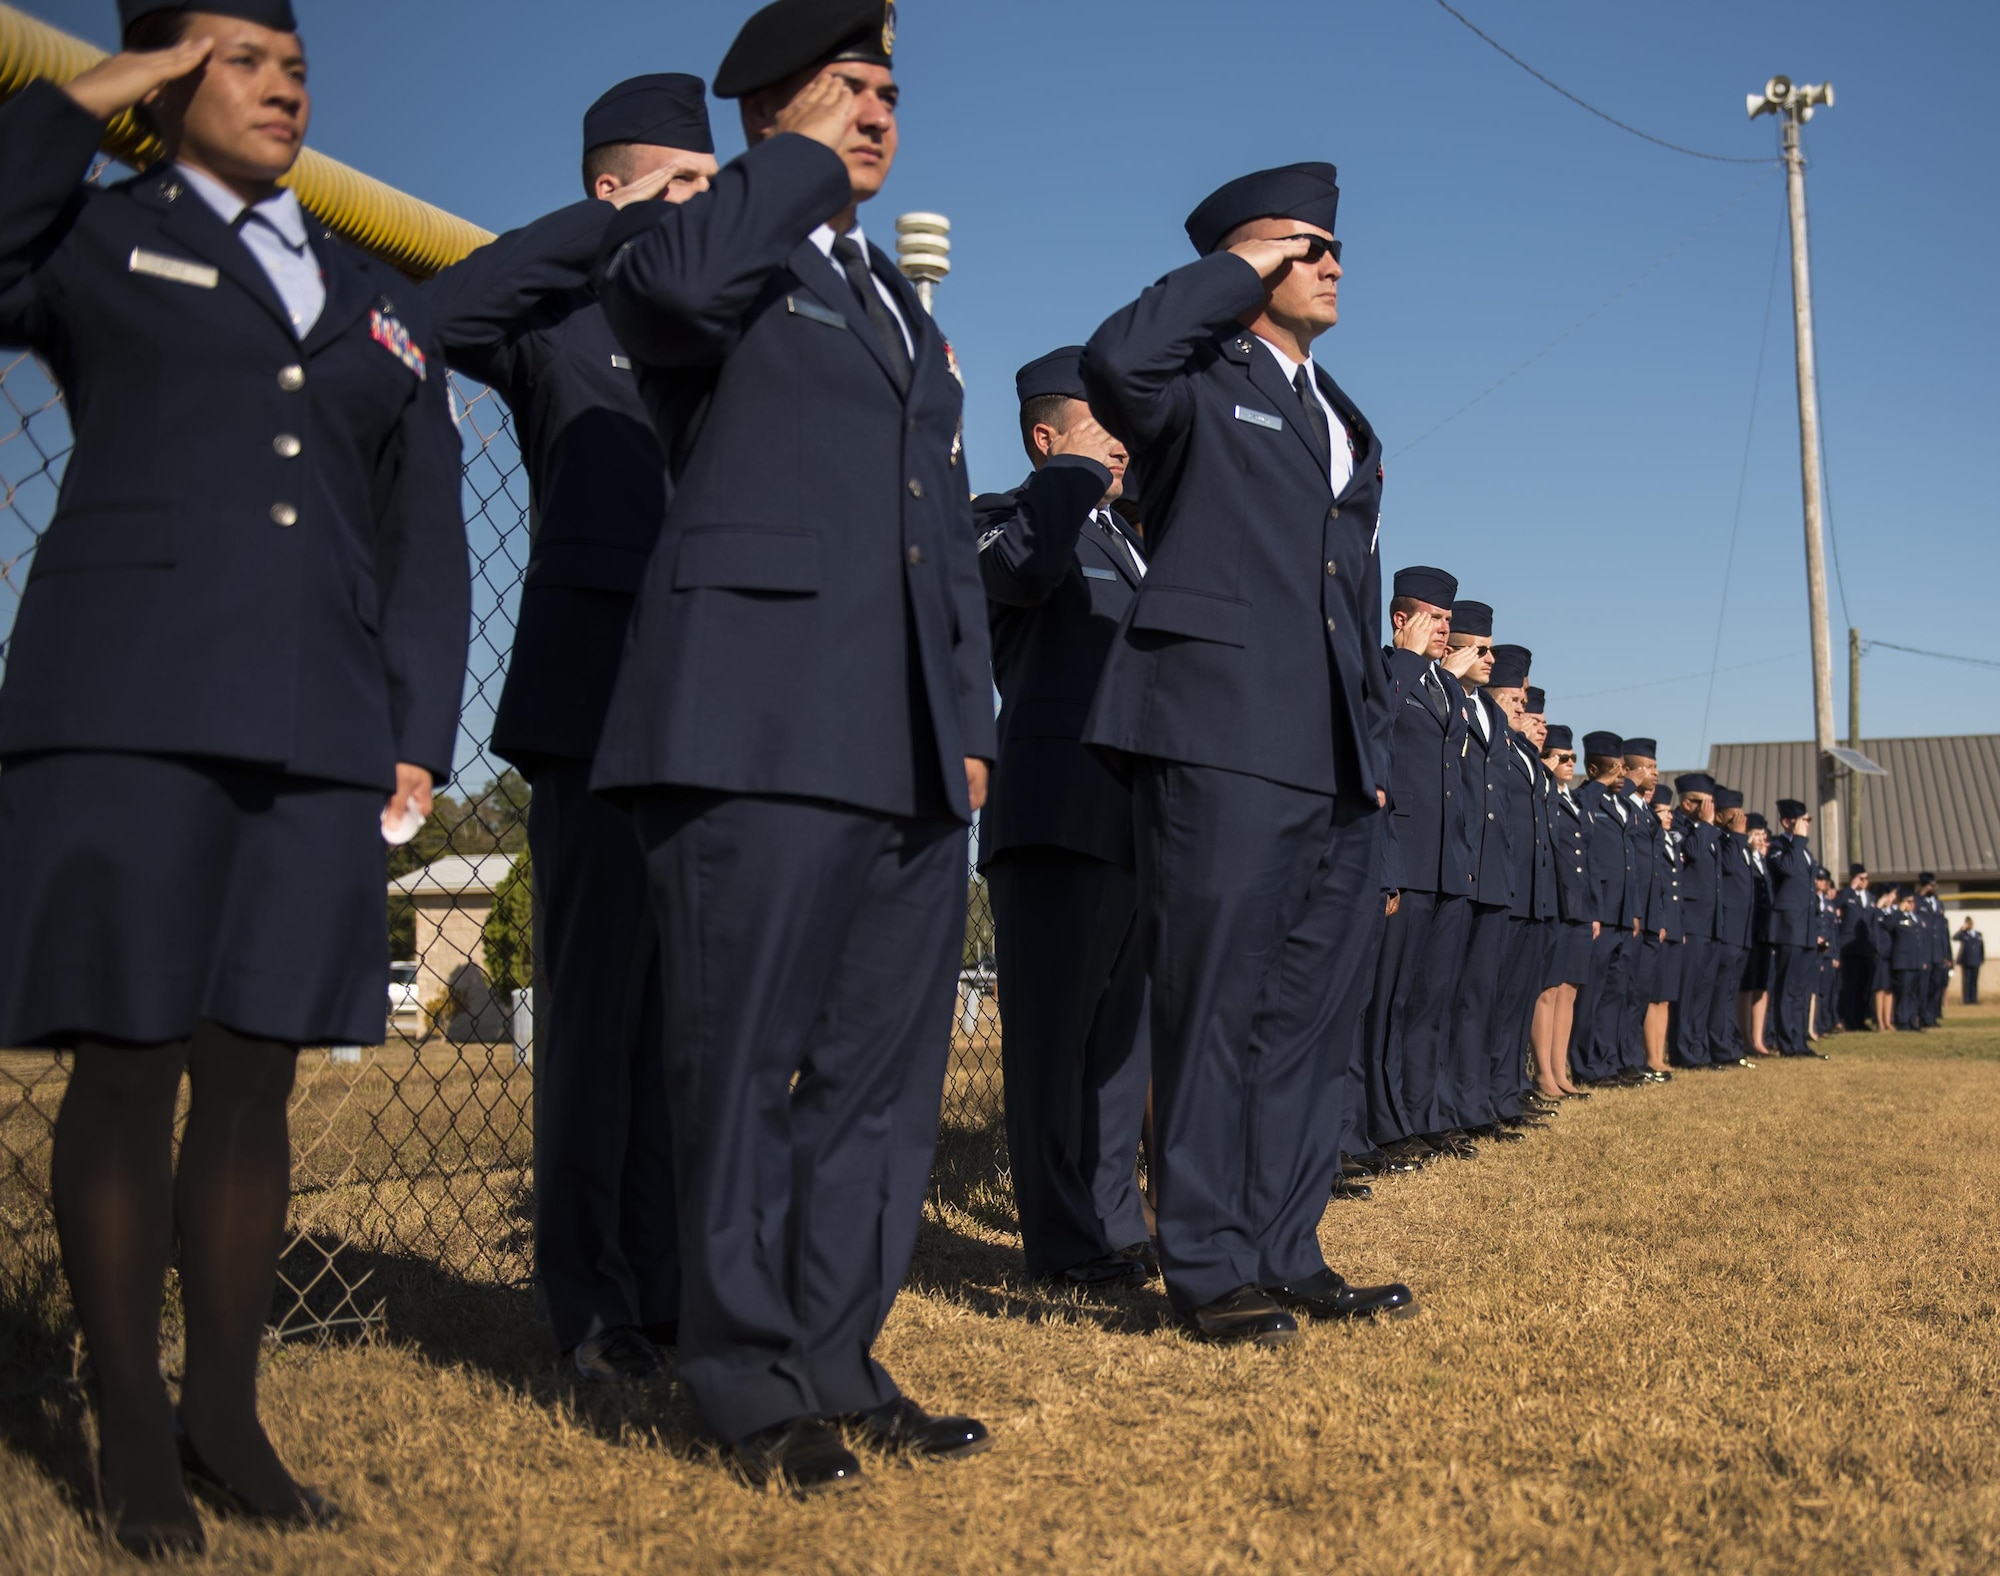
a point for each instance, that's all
(1317, 897)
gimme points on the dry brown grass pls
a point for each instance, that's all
(1745, 1322)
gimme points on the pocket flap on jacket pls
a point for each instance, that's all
(1177, 610)
(137, 536)
(736, 559)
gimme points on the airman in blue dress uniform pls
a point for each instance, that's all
(1792, 931)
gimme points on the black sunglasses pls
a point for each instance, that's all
(1562, 756)
(1317, 246)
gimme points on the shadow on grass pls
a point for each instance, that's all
(43, 1417)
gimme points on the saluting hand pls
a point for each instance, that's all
(1084, 436)
(823, 110)
(1415, 635)
(690, 171)
(1459, 660)
(114, 85)
(1270, 258)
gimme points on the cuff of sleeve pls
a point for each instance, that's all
(1074, 462)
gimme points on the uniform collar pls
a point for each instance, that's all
(282, 212)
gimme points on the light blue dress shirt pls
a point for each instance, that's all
(275, 232)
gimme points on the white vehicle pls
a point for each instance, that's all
(405, 1010)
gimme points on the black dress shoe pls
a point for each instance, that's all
(805, 1456)
(307, 1510)
(1348, 1188)
(620, 1356)
(1495, 1132)
(1106, 1272)
(1246, 1316)
(1577, 1094)
(1374, 1163)
(1628, 1078)
(1414, 1150)
(1146, 1255)
(1326, 1296)
(155, 1545)
(666, 1337)
(1453, 1143)
(903, 1427)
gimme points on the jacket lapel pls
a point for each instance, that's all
(1367, 446)
(815, 271)
(1276, 396)
(350, 291)
(1115, 548)
(189, 222)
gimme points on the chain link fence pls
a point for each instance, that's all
(419, 1149)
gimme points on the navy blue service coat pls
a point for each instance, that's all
(310, 612)
(520, 316)
(1254, 645)
(1058, 584)
(1789, 862)
(1483, 773)
(811, 621)
(1428, 843)
(1570, 833)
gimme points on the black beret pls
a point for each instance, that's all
(1421, 583)
(1059, 372)
(1856, 870)
(1695, 782)
(276, 14)
(1510, 667)
(1647, 749)
(1471, 618)
(1756, 822)
(1728, 798)
(788, 36)
(1560, 738)
(1926, 878)
(665, 110)
(1790, 809)
(1535, 702)
(1662, 795)
(1603, 744)
(1309, 193)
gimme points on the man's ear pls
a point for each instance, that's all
(1045, 439)
(605, 186)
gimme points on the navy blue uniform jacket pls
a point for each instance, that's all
(1576, 902)
(1531, 856)
(1057, 588)
(520, 316)
(1483, 775)
(1794, 904)
(1735, 892)
(1909, 945)
(258, 552)
(1971, 949)
(1855, 931)
(811, 621)
(1701, 873)
(1255, 643)
(1428, 843)
(1613, 878)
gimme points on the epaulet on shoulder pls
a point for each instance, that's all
(993, 501)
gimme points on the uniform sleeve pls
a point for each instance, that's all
(424, 577)
(972, 651)
(47, 143)
(1376, 695)
(477, 305)
(676, 281)
(1027, 539)
(1134, 365)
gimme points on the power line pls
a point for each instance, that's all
(1595, 312)
(1742, 480)
(1682, 678)
(1644, 136)
(1917, 651)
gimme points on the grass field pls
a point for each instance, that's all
(1745, 1322)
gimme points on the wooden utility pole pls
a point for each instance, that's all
(1794, 105)
(1857, 782)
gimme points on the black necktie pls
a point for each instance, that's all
(1436, 687)
(847, 252)
(1318, 432)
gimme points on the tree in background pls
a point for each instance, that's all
(978, 923)
(510, 930)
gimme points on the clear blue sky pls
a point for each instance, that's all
(1590, 498)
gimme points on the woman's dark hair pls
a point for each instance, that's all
(157, 30)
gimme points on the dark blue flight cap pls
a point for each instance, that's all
(1472, 618)
(1790, 809)
(1756, 822)
(1309, 193)
(275, 14)
(1821, 873)
(1856, 870)
(1926, 878)
(1663, 796)
(1059, 372)
(1560, 738)
(1510, 667)
(1420, 583)
(666, 110)
(1695, 782)
(1728, 798)
(1603, 744)
(789, 36)
(1646, 749)
(1536, 702)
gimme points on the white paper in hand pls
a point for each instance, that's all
(400, 829)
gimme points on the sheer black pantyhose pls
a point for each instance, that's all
(117, 1202)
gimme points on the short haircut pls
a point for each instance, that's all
(1044, 410)
(609, 158)
(1405, 605)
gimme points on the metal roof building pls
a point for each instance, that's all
(1938, 809)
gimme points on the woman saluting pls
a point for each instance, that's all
(237, 658)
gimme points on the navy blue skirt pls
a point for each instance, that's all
(142, 894)
(1571, 963)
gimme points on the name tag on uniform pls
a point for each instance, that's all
(812, 312)
(1100, 574)
(622, 363)
(1259, 418)
(182, 272)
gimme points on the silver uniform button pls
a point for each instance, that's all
(916, 488)
(916, 555)
(284, 514)
(1329, 626)
(291, 379)
(1332, 568)
(287, 446)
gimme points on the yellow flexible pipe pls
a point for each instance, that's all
(398, 228)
